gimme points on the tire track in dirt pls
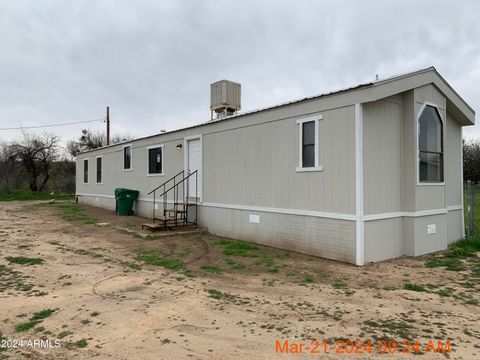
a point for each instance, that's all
(121, 296)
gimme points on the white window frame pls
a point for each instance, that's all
(96, 170)
(148, 159)
(131, 157)
(88, 170)
(423, 183)
(300, 122)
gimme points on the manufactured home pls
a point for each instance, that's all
(359, 175)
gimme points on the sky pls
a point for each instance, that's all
(153, 61)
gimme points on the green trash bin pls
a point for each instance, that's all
(124, 199)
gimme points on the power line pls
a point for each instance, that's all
(52, 125)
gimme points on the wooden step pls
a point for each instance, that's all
(176, 210)
(164, 218)
(152, 226)
(185, 203)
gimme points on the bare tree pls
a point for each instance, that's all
(11, 174)
(35, 153)
(92, 140)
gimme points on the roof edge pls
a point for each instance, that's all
(372, 84)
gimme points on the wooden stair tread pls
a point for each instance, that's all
(164, 218)
(152, 226)
(184, 203)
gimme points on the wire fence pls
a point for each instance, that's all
(469, 206)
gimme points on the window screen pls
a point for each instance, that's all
(430, 145)
(127, 157)
(308, 144)
(99, 169)
(85, 171)
(155, 165)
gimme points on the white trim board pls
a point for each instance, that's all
(321, 214)
(97, 195)
(461, 172)
(383, 216)
(359, 207)
(335, 216)
(454, 207)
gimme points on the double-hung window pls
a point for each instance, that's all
(430, 146)
(127, 157)
(309, 157)
(155, 160)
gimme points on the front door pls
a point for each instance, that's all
(194, 162)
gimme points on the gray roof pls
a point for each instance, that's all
(309, 98)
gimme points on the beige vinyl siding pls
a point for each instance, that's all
(409, 154)
(382, 146)
(234, 150)
(429, 93)
(384, 239)
(453, 162)
(427, 243)
(407, 233)
(257, 166)
(454, 226)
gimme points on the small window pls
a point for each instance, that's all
(85, 171)
(155, 160)
(430, 145)
(127, 157)
(308, 144)
(99, 170)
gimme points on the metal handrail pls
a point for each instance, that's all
(181, 181)
(172, 178)
(176, 194)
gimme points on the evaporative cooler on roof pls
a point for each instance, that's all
(225, 98)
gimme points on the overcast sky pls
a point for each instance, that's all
(152, 61)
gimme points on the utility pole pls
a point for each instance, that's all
(108, 125)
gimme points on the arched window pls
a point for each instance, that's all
(430, 145)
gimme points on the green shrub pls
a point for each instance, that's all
(413, 287)
(21, 260)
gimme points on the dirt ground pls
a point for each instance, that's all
(121, 293)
